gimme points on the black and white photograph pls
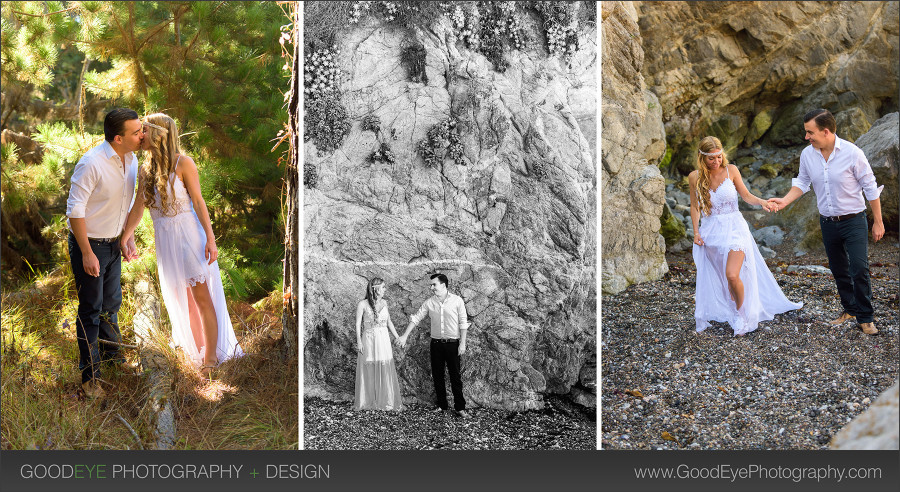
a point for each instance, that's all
(449, 225)
(749, 225)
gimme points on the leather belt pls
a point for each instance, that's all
(839, 218)
(444, 340)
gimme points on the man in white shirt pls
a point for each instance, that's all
(449, 324)
(840, 174)
(99, 200)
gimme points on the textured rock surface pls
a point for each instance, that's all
(748, 71)
(876, 428)
(882, 148)
(633, 141)
(512, 226)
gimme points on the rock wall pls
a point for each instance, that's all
(632, 143)
(876, 428)
(748, 71)
(512, 225)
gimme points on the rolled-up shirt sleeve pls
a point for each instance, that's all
(462, 316)
(802, 181)
(84, 179)
(862, 170)
(420, 314)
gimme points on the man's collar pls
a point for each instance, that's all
(837, 142)
(110, 152)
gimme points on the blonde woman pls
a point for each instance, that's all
(734, 285)
(377, 385)
(186, 252)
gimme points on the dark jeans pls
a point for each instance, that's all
(99, 299)
(846, 244)
(446, 353)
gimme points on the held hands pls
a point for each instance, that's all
(129, 249)
(212, 252)
(774, 204)
(401, 341)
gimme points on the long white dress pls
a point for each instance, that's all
(725, 230)
(377, 385)
(180, 258)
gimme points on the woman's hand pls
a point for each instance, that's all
(697, 240)
(212, 252)
(359, 345)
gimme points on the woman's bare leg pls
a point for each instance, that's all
(196, 323)
(733, 274)
(207, 311)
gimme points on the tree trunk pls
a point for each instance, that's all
(290, 309)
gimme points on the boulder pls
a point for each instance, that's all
(632, 143)
(770, 236)
(511, 222)
(876, 428)
(881, 144)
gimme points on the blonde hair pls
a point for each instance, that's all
(164, 148)
(707, 144)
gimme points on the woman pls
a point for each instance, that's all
(734, 284)
(169, 185)
(377, 387)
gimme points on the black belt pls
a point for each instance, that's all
(444, 340)
(839, 218)
(101, 239)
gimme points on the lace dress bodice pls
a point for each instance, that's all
(373, 321)
(724, 199)
(177, 192)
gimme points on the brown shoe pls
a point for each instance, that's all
(868, 328)
(845, 316)
(92, 389)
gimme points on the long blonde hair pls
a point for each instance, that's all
(164, 148)
(708, 144)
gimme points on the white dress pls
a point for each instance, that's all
(180, 259)
(723, 231)
(377, 385)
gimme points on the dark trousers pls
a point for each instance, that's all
(99, 299)
(446, 353)
(846, 244)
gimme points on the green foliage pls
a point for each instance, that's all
(383, 154)
(326, 123)
(666, 160)
(413, 59)
(371, 123)
(214, 67)
(561, 24)
(441, 142)
(310, 175)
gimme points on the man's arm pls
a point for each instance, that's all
(877, 222)
(799, 186)
(416, 318)
(463, 320)
(84, 179)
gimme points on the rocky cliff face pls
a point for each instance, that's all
(748, 71)
(632, 143)
(511, 223)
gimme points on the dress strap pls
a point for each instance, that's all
(176, 163)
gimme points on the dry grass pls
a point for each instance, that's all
(251, 405)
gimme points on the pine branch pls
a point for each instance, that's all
(44, 15)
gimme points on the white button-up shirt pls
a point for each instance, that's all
(448, 318)
(102, 191)
(839, 181)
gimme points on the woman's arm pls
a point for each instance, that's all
(742, 188)
(360, 306)
(126, 242)
(390, 324)
(191, 178)
(695, 207)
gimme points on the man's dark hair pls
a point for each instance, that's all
(824, 119)
(114, 123)
(441, 278)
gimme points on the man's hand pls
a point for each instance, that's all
(91, 264)
(462, 347)
(401, 341)
(877, 231)
(129, 249)
(775, 204)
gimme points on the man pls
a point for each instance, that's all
(449, 323)
(99, 200)
(840, 174)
